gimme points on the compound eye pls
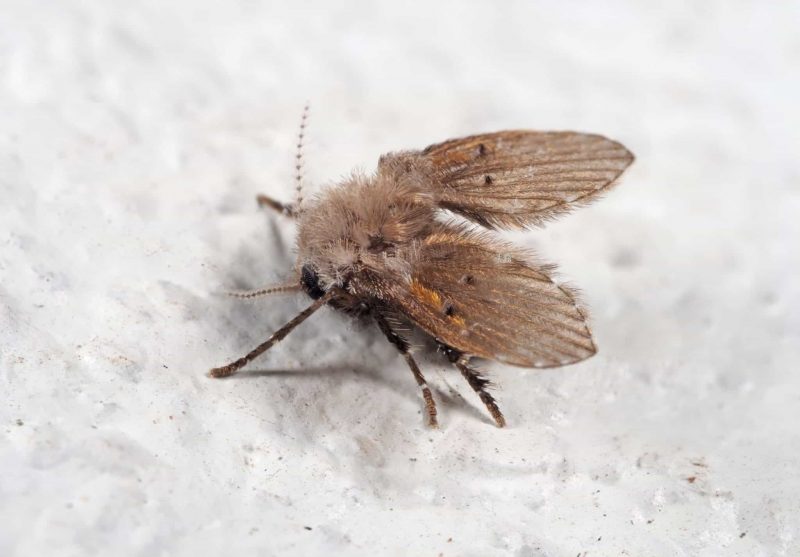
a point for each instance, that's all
(310, 281)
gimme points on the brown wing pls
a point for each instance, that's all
(487, 299)
(522, 178)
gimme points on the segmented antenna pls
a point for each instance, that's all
(266, 291)
(298, 163)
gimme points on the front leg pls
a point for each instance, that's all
(280, 334)
(287, 209)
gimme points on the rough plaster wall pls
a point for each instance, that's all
(133, 139)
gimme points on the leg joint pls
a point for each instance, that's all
(398, 341)
(452, 354)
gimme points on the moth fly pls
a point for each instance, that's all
(380, 246)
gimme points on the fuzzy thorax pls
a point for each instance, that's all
(365, 223)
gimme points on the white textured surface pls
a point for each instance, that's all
(133, 138)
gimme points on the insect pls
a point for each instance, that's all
(389, 247)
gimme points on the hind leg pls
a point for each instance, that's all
(479, 385)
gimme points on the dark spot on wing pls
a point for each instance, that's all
(468, 279)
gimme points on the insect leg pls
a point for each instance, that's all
(283, 208)
(278, 335)
(402, 345)
(479, 384)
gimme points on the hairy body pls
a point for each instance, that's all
(382, 245)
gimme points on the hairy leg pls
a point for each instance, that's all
(479, 384)
(402, 345)
(278, 335)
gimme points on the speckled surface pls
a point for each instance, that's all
(133, 139)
